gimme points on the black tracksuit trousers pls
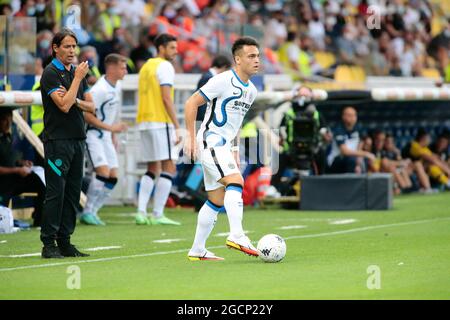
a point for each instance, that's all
(64, 161)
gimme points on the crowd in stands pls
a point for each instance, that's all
(421, 165)
(306, 37)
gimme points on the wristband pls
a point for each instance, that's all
(235, 148)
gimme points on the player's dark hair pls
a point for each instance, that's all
(59, 37)
(114, 58)
(221, 61)
(241, 42)
(163, 39)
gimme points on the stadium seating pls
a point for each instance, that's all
(431, 73)
(345, 73)
(324, 59)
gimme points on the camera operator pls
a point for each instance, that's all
(304, 137)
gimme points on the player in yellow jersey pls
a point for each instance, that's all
(158, 125)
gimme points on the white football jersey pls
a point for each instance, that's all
(106, 99)
(229, 99)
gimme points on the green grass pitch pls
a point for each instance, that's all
(330, 255)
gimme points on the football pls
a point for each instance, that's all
(272, 248)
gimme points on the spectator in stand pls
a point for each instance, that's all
(316, 30)
(440, 149)
(44, 20)
(43, 48)
(417, 150)
(439, 48)
(5, 9)
(276, 32)
(27, 9)
(107, 20)
(144, 51)
(384, 164)
(403, 166)
(346, 153)
(89, 54)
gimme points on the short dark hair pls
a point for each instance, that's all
(291, 36)
(421, 133)
(221, 61)
(444, 134)
(59, 37)
(114, 58)
(163, 39)
(241, 42)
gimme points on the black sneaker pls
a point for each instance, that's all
(51, 252)
(70, 251)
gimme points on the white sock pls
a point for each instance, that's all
(104, 194)
(234, 206)
(207, 217)
(162, 191)
(94, 190)
(145, 190)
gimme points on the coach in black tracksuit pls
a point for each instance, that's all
(65, 97)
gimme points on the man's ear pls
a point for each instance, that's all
(237, 60)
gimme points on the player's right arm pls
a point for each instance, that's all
(190, 115)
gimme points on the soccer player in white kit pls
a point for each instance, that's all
(229, 96)
(101, 151)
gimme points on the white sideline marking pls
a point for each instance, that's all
(37, 254)
(103, 248)
(342, 221)
(292, 227)
(3, 241)
(380, 226)
(167, 240)
(22, 255)
(226, 234)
